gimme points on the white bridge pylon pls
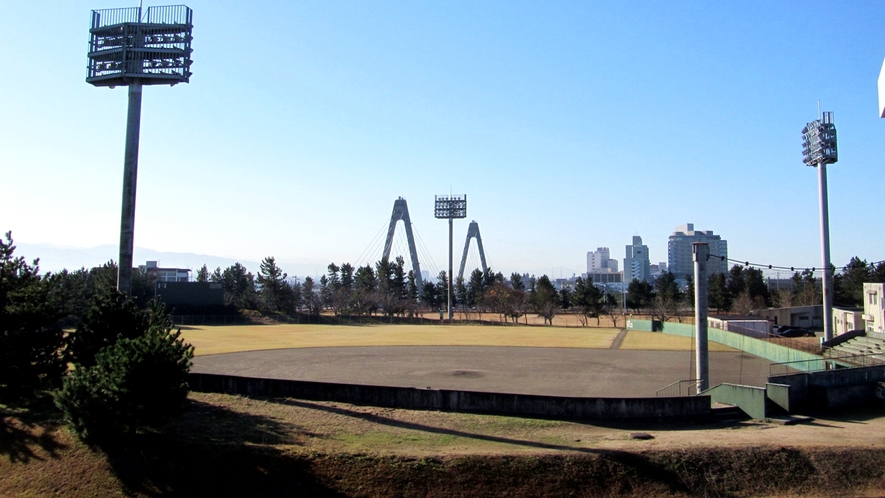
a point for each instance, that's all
(473, 232)
(401, 212)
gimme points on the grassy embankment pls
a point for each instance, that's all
(233, 446)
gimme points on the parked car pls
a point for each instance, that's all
(794, 332)
(780, 328)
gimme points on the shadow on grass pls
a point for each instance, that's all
(590, 471)
(26, 431)
(213, 451)
(378, 419)
(207, 423)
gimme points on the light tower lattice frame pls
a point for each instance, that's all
(450, 207)
(819, 149)
(131, 47)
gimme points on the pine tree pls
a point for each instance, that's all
(30, 341)
(138, 380)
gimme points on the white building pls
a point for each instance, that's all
(847, 319)
(679, 255)
(873, 308)
(165, 274)
(636, 262)
(599, 261)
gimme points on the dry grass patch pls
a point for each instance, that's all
(656, 341)
(227, 339)
(234, 446)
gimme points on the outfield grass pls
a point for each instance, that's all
(232, 338)
(656, 341)
(226, 339)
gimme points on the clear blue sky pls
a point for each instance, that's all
(569, 125)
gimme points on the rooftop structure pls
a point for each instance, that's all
(679, 255)
(165, 274)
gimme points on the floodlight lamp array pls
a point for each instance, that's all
(448, 207)
(154, 49)
(819, 141)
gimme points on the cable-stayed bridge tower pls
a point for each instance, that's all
(401, 212)
(473, 232)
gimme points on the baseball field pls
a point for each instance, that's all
(209, 340)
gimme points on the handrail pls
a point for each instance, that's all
(688, 386)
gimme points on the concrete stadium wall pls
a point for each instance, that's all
(763, 349)
(458, 401)
(832, 388)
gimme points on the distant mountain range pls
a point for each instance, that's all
(54, 258)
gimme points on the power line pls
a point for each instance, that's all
(778, 267)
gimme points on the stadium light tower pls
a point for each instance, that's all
(131, 47)
(450, 207)
(819, 149)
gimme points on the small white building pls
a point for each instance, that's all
(873, 310)
(847, 319)
(165, 274)
(750, 326)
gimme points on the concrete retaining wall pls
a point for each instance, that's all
(832, 388)
(457, 401)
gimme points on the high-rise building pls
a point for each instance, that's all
(599, 261)
(601, 269)
(636, 262)
(679, 256)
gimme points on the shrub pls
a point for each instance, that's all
(109, 317)
(135, 382)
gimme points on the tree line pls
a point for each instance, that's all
(744, 289)
(388, 289)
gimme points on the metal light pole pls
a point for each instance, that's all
(819, 149)
(450, 207)
(701, 252)
(128, 47)
(130, 178)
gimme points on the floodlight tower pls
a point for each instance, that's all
(819, 149)
(450, 207)
(129, 47)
